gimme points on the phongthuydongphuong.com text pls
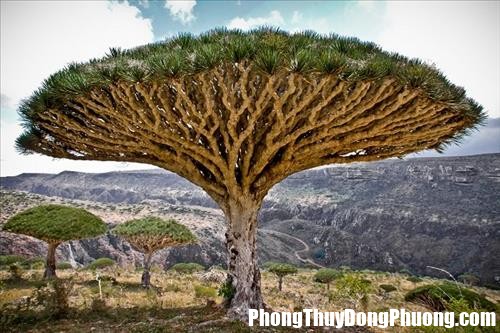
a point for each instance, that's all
(349, 317)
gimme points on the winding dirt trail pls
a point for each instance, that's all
(298, 252)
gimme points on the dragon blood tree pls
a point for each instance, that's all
(55, 224)
(151, 234)
(237, 112)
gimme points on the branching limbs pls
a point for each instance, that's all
(236, 131)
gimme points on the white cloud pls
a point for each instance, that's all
(181, 10)
(296, 17)
(365, 4)
(274, 18)
(461, 38)
(39, 38)
(11, 163)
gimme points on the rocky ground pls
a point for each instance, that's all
(175, 305)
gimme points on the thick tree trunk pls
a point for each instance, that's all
(243, 272)
(50, 263)
(146, 275)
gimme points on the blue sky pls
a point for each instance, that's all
(38, 38)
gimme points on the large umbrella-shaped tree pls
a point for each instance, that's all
(237, 112)
(151, 234)
(55, 224)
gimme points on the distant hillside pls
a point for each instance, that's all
(391, 215)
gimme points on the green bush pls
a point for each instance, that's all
(327, 275)
(414, 279)
(187, 267)
(9, 259)
(64, 265)
(227, 290)
(470, 279)
(38, 265)
(101, 263)
(16, 272)
(205, 292)
(354, 288)
(33, 263)
(387, 287)
(438, 297)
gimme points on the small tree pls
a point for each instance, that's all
(55, 224)
(151, 234)
(281, 270)
(327, 275)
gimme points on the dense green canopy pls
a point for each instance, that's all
(56, 223)
(155, 226)
(271, 50)
(153, 233)
(281, 269)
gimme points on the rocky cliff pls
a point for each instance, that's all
(391, 215)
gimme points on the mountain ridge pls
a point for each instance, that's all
(387, 215)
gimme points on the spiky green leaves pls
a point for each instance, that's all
(153, 233)
(269, 50)
(56, 223)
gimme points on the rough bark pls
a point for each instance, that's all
(243, 271)
(50, 263)
(146, 275)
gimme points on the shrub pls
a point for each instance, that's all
(101, 263)
(64, 265)
(353, 288)
(227, 290)
(54, 297)
(16, 272)
(414, 279)
(470, 279)
(327, 275)
(387, 288)
(437, 297)
(9, 259)
(281, 270)
(187, 267)
(34, 263)
(38, 265)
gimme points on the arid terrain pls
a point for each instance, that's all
(388, 216)
(175, 305)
